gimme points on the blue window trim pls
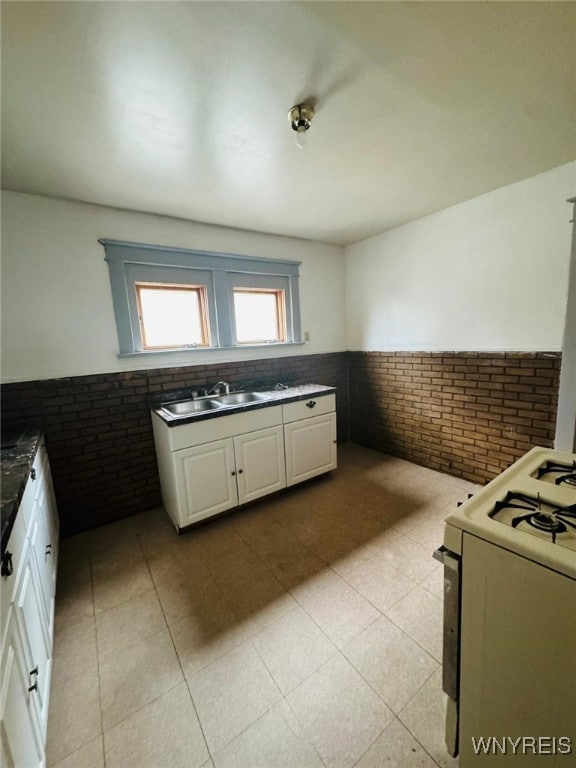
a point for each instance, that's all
(131, 262)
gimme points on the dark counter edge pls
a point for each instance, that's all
(276, 398)
(17, 462)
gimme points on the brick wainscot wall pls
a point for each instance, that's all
(470, 414)
(98, 428)
(466, 413)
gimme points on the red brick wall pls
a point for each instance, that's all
(99, 432)
(467, 413)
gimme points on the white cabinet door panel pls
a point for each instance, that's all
(35, 635)
(42, 545)
(19, 733)
(260, 467)
(310, 447)
(206, 480)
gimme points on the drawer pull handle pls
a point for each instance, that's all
(232, 473)
(48, 549)
(33, 688)
(240, 471)
(34, 671)
(310, 403)
(33, 473)
(7, 565)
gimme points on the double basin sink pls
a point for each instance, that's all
(213, 403)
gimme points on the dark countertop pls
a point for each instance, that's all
(273, 397)
(19, 446)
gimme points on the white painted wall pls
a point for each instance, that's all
(487, 274)
(57, 315)
(566, 418)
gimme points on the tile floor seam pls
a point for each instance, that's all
(376, 739)
(369, 684)
(97, 669)
(284, 695)
(98, 664)
(185, 679)
(358, 673)
(359, 631)
(438, 665)
(439, 662)
(405, 725)
(206, 664)
(187, 684)
(97, 659)
(118, 605)
(298, 605)
(266, 566)
(383, 613)
(303, 730)
(135, 712)
(260, 717)
(132, 643)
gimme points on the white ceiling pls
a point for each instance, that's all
(180, 108)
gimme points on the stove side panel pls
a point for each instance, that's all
(518, 676)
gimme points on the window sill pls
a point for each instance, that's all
(193, 350)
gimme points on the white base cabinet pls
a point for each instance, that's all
(210, 466)
(310, 446)
(27, 622)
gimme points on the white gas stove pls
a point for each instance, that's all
(509, 661)
(529, 509)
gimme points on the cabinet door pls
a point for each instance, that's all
(310, 447)
(206, 480)
(34, 635)
(260, 466)
(21, 745)
(42, 544)
(47, 506)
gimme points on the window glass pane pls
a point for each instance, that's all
(259, 316)
(171, 316)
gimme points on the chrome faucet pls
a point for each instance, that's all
(221, 385)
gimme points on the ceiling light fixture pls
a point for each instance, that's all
(300, 118)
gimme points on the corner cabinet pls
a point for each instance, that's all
(27, 621)
(210, 466)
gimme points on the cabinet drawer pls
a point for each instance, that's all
(304, 409)
(219, 428)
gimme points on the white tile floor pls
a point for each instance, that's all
(304, 631)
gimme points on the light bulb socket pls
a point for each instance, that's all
(300, 117)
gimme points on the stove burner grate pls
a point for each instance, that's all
(566, 472)
(553, 520)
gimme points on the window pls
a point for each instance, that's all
(172, 315)
(260, 316)
(172, 299)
